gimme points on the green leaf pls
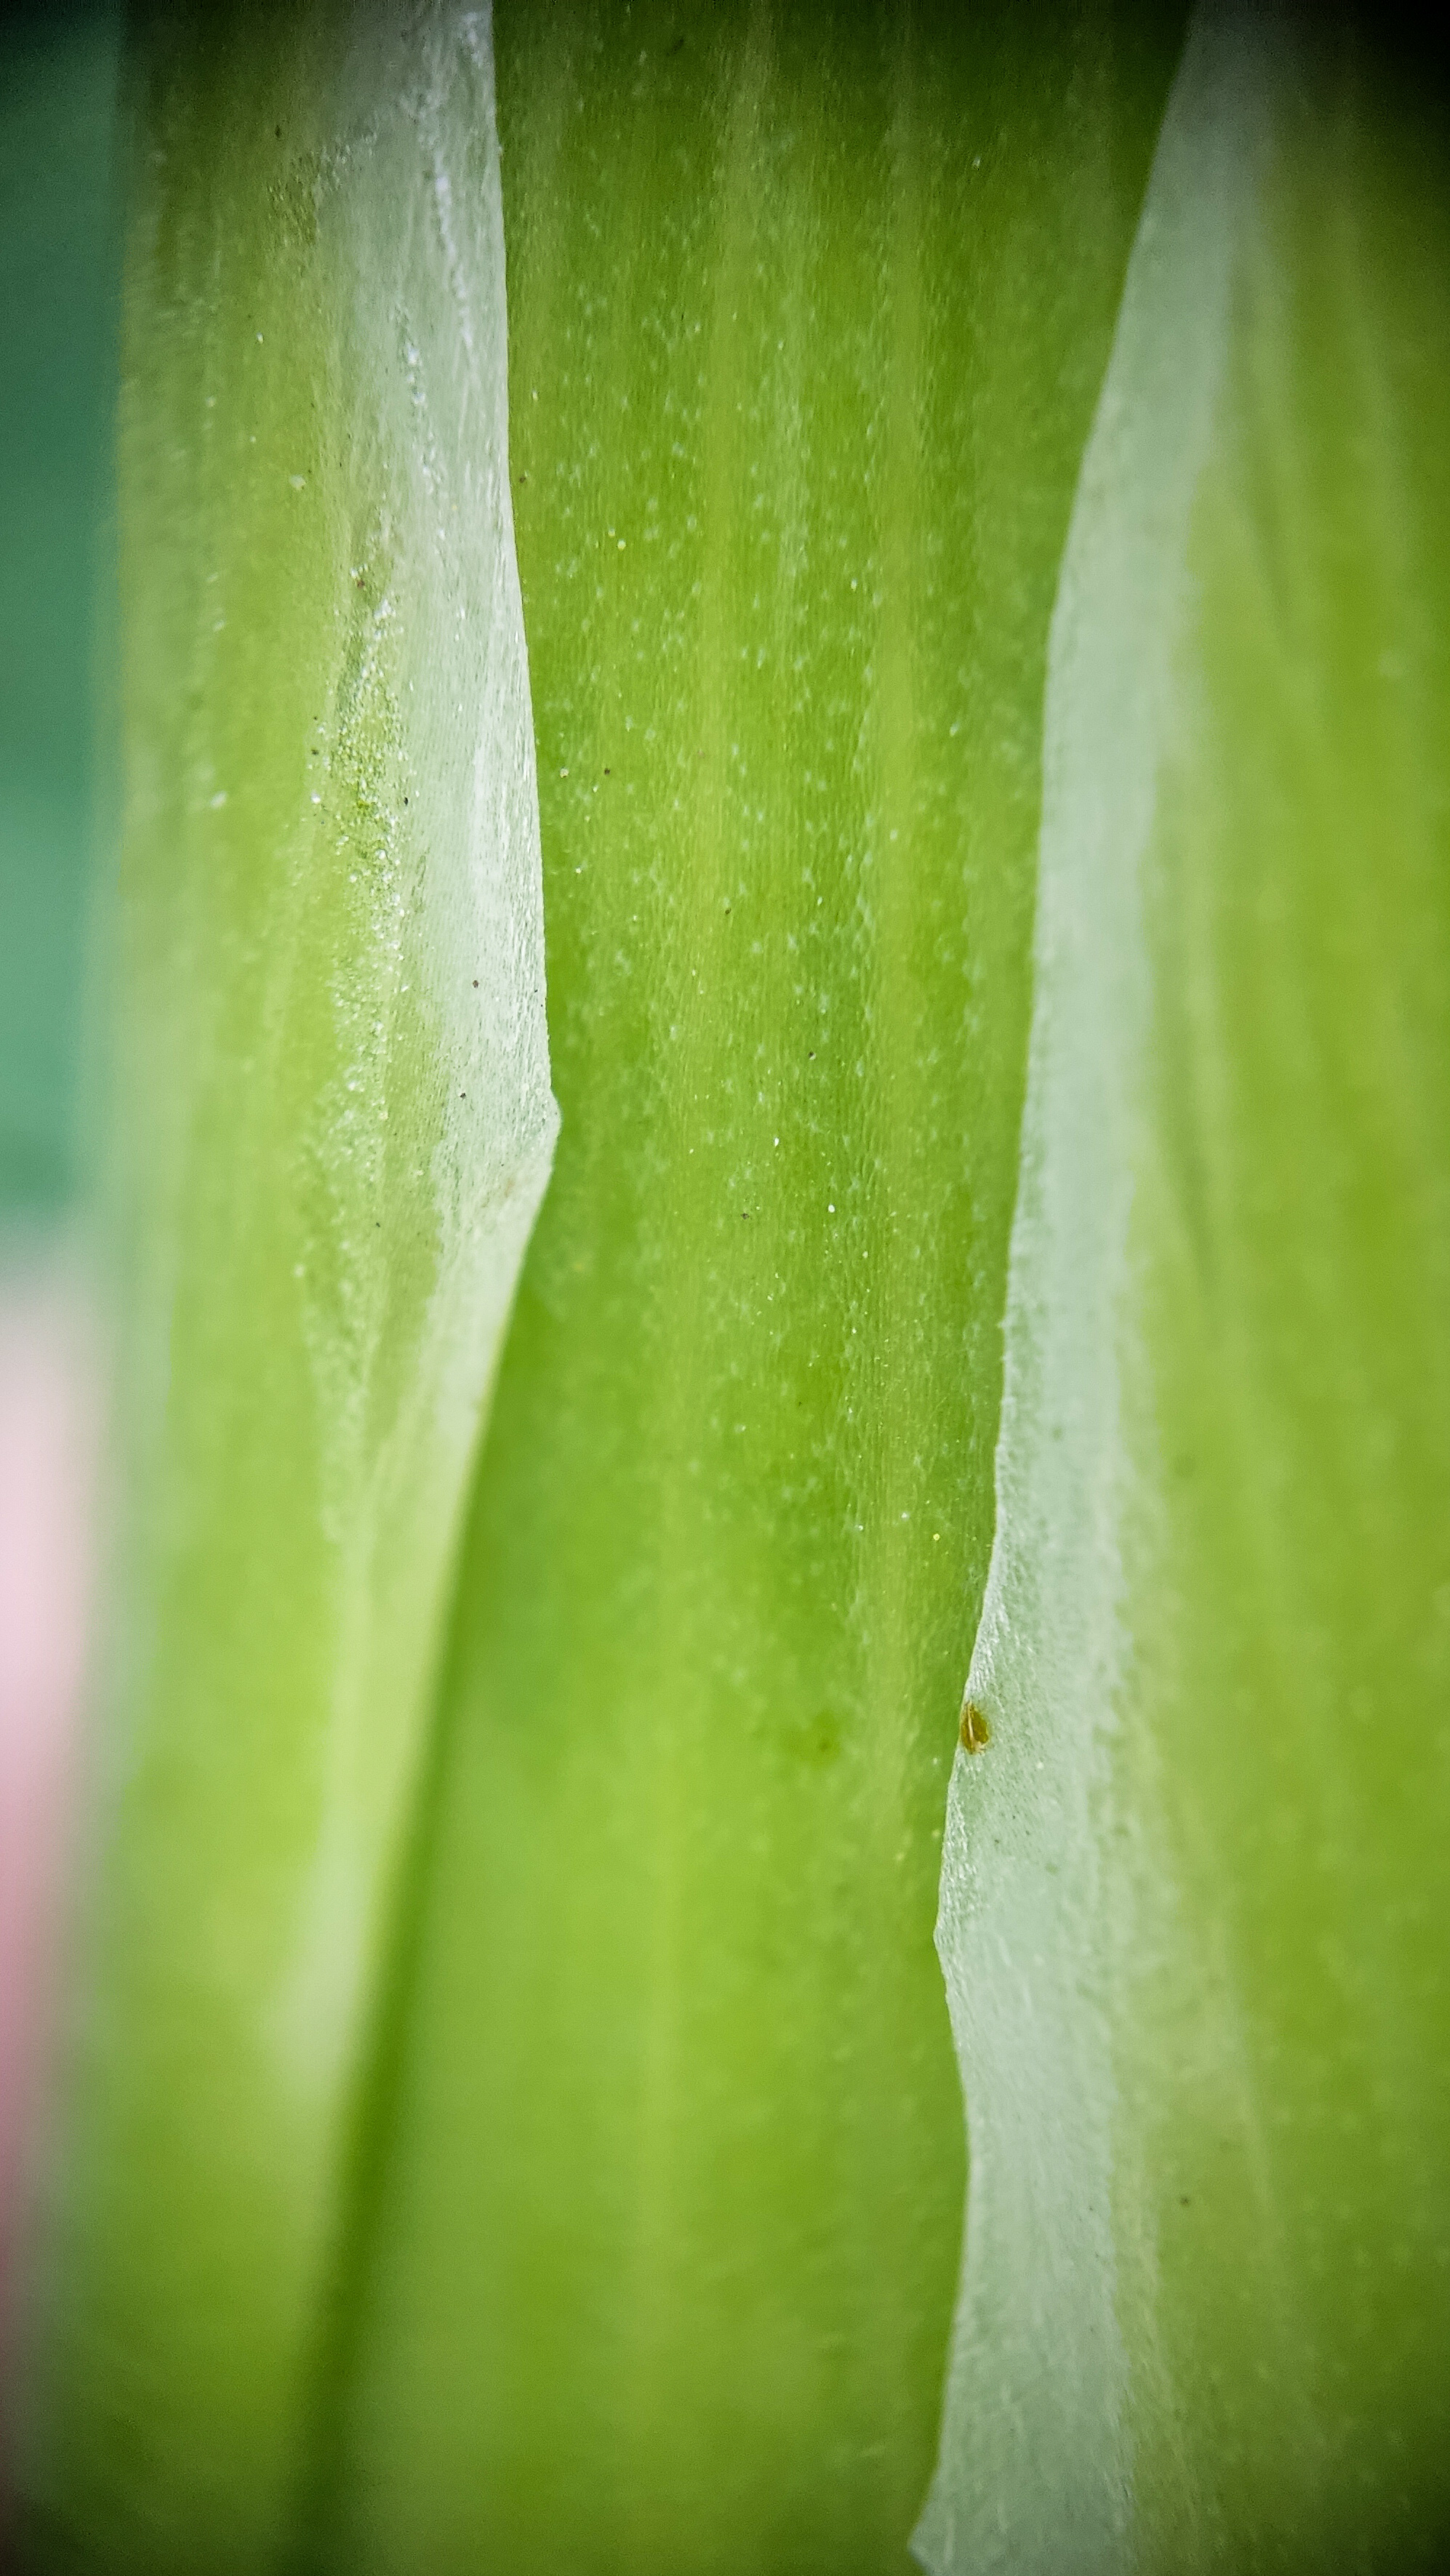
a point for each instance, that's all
(544, 2147)
(808, 315)
(1190, 1905)
(333, 1128)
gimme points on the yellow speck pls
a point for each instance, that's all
(974, 1731)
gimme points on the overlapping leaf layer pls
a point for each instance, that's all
(517, 2121)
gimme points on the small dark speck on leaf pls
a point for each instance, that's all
(819, 1741)
(475, 983)
(974, 1731)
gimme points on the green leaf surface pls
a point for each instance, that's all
(808, 315)
(1193, 1904)
(333, 1124)
(514, 2121)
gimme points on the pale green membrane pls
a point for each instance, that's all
(332, 1128)
(1193, 1897)
(808, 315)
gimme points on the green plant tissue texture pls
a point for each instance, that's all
(1205, 2321)
(59, 290)
(1290, 1596)
(332, 1124)
(658, 2230)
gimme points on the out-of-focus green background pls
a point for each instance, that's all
(59, 296)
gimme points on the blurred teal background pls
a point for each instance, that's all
(59, 299)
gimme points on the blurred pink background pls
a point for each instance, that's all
(48, 1463)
